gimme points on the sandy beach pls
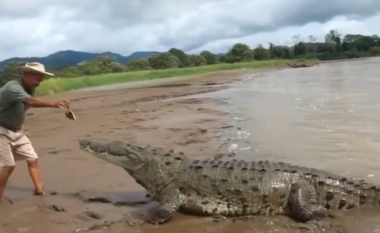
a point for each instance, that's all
(134, 115)
(85, 193)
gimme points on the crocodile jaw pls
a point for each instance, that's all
(115, 152)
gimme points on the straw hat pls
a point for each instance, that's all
(35, 67)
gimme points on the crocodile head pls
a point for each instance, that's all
(119, 153)
(152, 168)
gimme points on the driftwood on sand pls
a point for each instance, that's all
(300, 65)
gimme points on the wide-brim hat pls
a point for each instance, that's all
(35, 67)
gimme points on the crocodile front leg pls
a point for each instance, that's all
(169, 204)
(170, 201)
(303, 202)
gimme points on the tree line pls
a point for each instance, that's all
(334, 46)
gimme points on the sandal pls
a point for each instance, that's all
(39, 193)
(6, 200)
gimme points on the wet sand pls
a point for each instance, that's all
(85, 192)
(133, 115)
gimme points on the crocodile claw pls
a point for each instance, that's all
(218, 218)
(159, 217)
(318, 226)
(136, 218)
(327, 226)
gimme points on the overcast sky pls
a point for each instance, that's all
(42, 27)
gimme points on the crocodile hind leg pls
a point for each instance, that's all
(304, 206)
(169, 204)
(303, 202)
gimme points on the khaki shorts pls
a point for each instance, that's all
(15, 146)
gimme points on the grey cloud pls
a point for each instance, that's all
(322, 11)
(29, 9)
(225, 20)
(137, 12)
(127, 26)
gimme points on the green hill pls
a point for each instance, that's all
(68, 58)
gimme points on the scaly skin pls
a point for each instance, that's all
(234, 188)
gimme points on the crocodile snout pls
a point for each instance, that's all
(84, 142)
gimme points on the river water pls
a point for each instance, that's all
(326, 116)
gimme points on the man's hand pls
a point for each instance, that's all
(62, 104)
(65, 104)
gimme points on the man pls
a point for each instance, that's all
(15, 98)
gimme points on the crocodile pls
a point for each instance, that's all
(233, 188)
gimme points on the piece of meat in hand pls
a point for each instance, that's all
(70, 115)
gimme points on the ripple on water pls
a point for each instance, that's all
(326, 117)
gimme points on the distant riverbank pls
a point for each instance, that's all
(57, 85)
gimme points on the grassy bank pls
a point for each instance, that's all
(56, 85)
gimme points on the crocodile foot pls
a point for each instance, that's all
(137, 218)
(314, 226)
(159, 217)
(217, 218)
(335, 214)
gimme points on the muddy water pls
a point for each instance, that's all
(324, 117)
(327, 117)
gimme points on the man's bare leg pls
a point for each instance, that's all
(34, 172)
(5, 173)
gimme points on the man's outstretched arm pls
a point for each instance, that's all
(17, 93)
(40, 103)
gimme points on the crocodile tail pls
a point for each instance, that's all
(352, 193)
(370, 195)
(365, 194)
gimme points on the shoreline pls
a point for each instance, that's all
(52, 88)
(89, 192)
(190, 125)
(59, 85)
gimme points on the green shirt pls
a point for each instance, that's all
(12, 107)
